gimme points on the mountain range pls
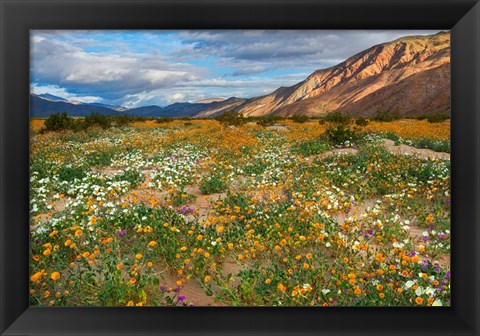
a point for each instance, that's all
(410, 75)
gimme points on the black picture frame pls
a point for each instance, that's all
(17, 17)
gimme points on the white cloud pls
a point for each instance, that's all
(62, 93)
(109, 74)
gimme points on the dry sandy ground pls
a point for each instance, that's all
(409, 150)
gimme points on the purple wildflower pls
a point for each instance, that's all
(163, 288)
(181, 298)
(424, 264)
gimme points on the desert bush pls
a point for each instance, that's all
(434, 118)
(231, 119)
(268, 120)
(163, 120)
(361, 121)
(337, 117)
(300, 119)
(385, 116)
(341, 135)
(58, 122)
(96, 119)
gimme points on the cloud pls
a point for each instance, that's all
(253, 50)
(112, 75)
(248, 71)
(62, 93)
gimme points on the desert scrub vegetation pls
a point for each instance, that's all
(361, 121)
(387, 116)
(231, 119)
(434, 118)
(336, 117)
(268, 120)
(342, 135)
(300, 119)
(62, 122)
(162, 214)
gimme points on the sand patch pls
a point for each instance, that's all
(337, 151)
(278, 128)
(193, 291)
(422, 153)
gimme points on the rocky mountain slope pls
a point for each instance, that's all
(410, 75)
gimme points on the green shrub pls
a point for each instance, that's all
(386, 116)
(337, 118)
(163, 120)
(438, 117)
(361, 122)
(123, 120)
(96, 119)
(58, 122)
(300, 119)
(340, 135)
(268, 120)
(231, 119)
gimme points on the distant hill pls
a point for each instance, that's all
(209, 100)
(41, 107)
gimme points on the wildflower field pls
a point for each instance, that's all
(193, 212)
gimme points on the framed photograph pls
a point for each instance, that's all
(228, 167)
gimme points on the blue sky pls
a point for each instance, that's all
(161, 67)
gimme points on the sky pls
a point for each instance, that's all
(160, 67)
